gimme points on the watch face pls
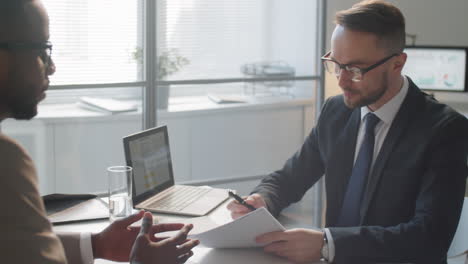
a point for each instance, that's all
(324, 250)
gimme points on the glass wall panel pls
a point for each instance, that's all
(247, 135)
(213, 39)
(78, 133)
(95, 41)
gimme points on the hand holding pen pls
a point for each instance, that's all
(240, 207)
(241, 201)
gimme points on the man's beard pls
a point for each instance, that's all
(20, 102)
(370, 98)
(22, 109)
(19, 97)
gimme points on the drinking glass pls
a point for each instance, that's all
(120, 192)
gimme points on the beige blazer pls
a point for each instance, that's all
(27, 235)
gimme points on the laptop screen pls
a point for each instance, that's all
(148, 153)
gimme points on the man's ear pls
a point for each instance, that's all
(399, 62)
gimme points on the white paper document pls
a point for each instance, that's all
(241, 233)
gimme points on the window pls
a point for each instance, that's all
(264, 51)
(95, 52)
(95, 42)
(220, 38)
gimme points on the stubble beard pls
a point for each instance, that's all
(370, 98)
(19, 99)
(24, 110)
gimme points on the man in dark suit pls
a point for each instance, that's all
(394, 159)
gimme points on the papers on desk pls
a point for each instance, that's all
(227, 99)
(69, 208)
(107, 105)
(241, 233)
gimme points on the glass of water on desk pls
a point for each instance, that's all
(120, 192)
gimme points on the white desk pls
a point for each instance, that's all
(298, 215)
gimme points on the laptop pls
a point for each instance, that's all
(148, 153)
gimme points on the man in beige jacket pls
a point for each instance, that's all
(26, 236)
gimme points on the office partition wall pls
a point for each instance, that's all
(165, 62)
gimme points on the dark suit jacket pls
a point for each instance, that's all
(414, 194)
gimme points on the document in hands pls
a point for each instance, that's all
(241, 233)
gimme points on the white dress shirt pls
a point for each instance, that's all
(86, 248)
(386, 114)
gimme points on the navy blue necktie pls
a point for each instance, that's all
(350, 212)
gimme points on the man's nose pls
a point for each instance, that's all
(51, 67)
(344, 78)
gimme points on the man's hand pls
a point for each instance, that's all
(238, 210)
(172, 250)
(116, 241)
(299, 245)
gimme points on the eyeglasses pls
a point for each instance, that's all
(45, 49)
(357, 73)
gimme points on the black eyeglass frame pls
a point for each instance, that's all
(347, 67)
(20, 46)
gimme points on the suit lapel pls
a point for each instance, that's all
(399, 125)
(341, 159)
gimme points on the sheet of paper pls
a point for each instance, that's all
(241, 233)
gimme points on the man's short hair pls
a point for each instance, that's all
(11, 14)
(379, 18)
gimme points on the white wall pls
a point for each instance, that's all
(286, 42)
(435, 22)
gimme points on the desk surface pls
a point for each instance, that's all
(295, 216)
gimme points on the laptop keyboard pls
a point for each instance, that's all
(179, 198)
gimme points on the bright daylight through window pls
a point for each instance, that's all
(94, 41)
(124, 49)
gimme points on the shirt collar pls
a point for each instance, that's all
(388, 111)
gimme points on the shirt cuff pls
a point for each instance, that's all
(86, 248)
(331, 245)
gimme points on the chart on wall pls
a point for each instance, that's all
(436, 68)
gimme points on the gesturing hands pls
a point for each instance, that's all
(119, 239)
(299, 245)
(176, 249)
(238, 210)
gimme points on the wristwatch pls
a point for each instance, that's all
(324, 251)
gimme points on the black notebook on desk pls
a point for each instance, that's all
(68, 208)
